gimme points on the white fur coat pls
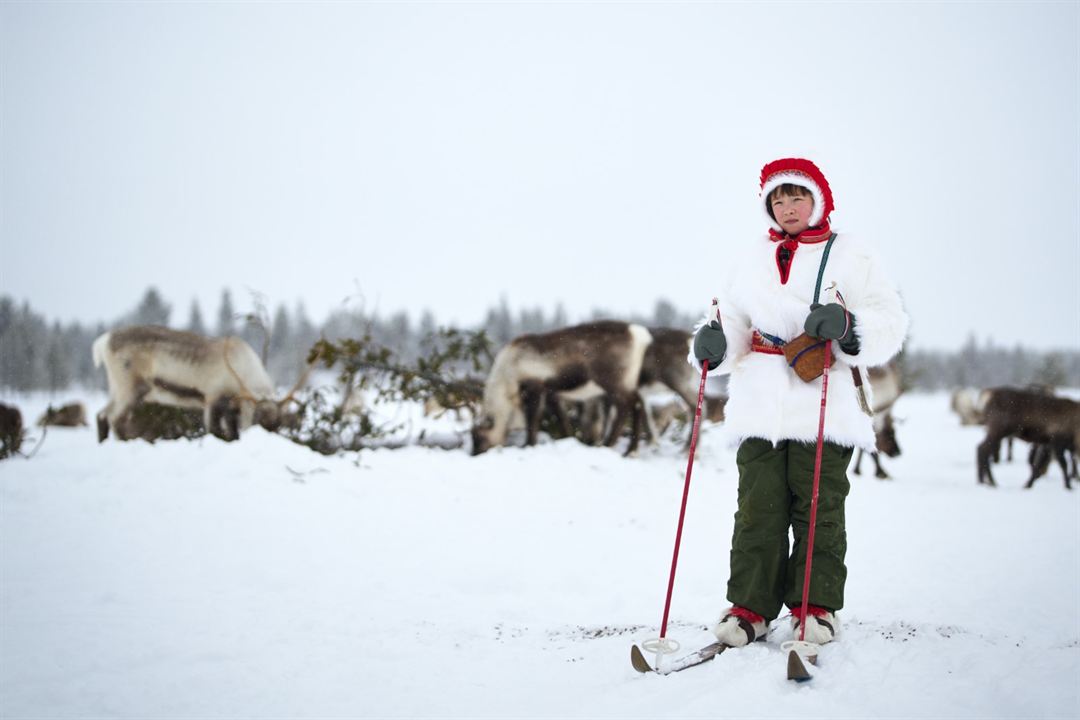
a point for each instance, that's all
(766, 398)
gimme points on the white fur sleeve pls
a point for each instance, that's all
(881, 324)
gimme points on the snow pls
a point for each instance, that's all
(197, 579)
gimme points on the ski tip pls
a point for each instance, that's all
(796, 670)
(638, 660)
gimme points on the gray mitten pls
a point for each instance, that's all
(710, 345)
(833, 322)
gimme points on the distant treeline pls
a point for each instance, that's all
(36, 354)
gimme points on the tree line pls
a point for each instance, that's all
(39, 354)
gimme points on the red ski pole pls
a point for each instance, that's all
(814, 492)
(662, 644)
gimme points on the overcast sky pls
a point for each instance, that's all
(441, 156)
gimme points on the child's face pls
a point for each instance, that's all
(793, 212)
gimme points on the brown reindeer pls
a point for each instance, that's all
(70, 415)
(665, 367)
(1034, 417)
(578, 362)
(885, 388)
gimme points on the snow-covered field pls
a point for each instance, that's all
(257, 579)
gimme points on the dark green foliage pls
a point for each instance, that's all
(330, 420)
(150, 422)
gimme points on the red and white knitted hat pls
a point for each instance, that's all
(803, 173)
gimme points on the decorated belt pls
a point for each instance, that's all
(763, 342)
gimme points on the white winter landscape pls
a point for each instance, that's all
(257, 579)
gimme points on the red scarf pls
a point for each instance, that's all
(786, 245)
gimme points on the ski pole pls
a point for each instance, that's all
(663, 645)
(814, 492)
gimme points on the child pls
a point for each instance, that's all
(768, 300)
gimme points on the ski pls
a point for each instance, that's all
(704, 655)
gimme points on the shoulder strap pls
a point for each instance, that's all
(821, 270)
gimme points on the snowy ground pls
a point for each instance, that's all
(257, 579)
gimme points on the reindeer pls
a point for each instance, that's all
(1033, 417)
(70, 415)
(968, 403)
(886, 388)
(664, 369)
(223, 377)
(665, 366)
(579, 362)
(11, 430)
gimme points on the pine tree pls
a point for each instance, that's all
(79, 343)
(304, 332)
(532, 321)
(499, 325)
(226, 315)
(195, 319)
(23, 347)
(428, 326)
(57, 360)
(7, 313)
(559, 319)
(665, 314)
(281, 331)
(256, 325)
(151, 310)
(1052, 371)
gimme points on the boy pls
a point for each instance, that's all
(767, 301)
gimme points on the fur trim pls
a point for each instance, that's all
(803, 173)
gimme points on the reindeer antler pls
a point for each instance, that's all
(245, 394)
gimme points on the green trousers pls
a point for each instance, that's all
(775, 489)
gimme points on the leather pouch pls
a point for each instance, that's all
(806, 356)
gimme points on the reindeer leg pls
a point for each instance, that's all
(102, 425)
(560, 415)
(1059, 452)
(982, 460)
(622, 410)
(123, 420)
(858, 462)
(532, 402)
(225, 418)
(879, 471)
(637, 413)
(593, 419)
(1039, 459)
(213, 417)
(639, 423)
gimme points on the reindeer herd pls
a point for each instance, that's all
(591, 381)
(1051, 424)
